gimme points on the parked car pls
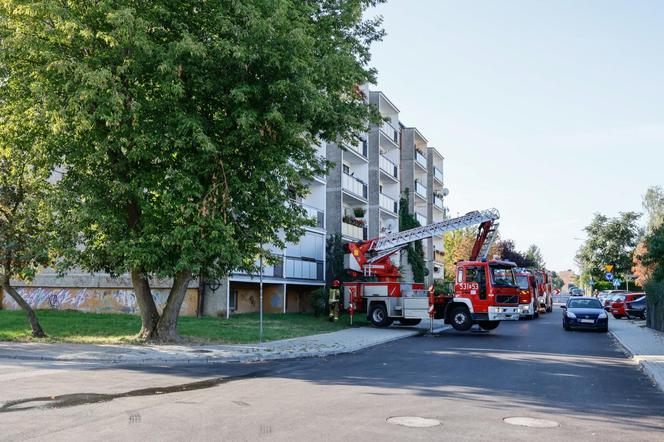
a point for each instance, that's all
(637, 308)
(576, 292)
(618, 303)
(585, 313)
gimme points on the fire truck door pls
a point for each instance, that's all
(474, 288)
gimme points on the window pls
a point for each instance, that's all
(232, 301)
(460, 276)
(346, 169)
(502, 276)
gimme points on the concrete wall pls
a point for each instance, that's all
(95, 300)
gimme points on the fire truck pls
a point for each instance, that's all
(528, 300)
(544, 290)
(485, 291)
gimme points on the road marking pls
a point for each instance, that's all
(531, 422)
(413, 421)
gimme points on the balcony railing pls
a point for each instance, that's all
(421, 159)
(421, 189)
(391, 132)
(438, 202)
(359, 148)
(354, 185)
(421, 219)
(316, 214)
(389, 167)
(388, 203)
(438, 174)
(352, 231)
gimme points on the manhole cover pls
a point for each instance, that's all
(413, 421)
(531, 422)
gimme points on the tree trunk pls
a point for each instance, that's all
(146, 305)
(167, 325)
(37, 331)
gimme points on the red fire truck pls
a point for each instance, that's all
(528, 301)
(485, 291)
(544, 290)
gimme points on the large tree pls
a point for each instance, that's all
(509, 252)
(25, 238)
(609, 241)
(534, 255)
(186, 128)
(653, 203)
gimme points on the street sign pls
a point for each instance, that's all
(608, 276)
(616, 283)
(609, 267)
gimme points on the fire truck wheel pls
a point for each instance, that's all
(409, 321)
(378, 315)
(488, 325)
(460, 319)
(549, 309)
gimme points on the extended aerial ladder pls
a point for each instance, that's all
(372, 257)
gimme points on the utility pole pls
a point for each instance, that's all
(260, 304)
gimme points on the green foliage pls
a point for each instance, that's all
(653, 203)
(534, 255)
(335, 259)
(509, 252)
(655, 300)
(414, 250)
(318, 300)
(557, 281)
(610, 241)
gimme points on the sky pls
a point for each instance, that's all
(549, 111)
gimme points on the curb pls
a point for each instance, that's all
(223, 360)
(645, 364)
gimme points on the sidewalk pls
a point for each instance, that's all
(645, 345)
(327, 344)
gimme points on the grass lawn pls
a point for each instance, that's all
(116, 328)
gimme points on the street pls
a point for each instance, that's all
(469, 382)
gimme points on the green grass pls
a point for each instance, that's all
(110, 328)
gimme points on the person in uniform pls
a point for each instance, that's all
(333, 300)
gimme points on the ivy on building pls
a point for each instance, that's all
(414, 250)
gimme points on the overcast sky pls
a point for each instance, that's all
(549, 111)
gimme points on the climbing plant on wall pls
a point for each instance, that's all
(414, 250)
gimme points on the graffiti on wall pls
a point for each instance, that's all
(95, 300)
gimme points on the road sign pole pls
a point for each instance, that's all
(260, 315)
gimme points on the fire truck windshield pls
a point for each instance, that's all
(522, 282)
(502, 276)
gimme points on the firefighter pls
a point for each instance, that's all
(334, 299)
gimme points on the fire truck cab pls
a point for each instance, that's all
(528, 301)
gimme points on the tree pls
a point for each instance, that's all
(414, 250)
(509, 252)
(610, 241)
(653, 259)
(534, 255)
(186, 128)
(557, 281)
(653, 203)
(458, 246)
(24, 230)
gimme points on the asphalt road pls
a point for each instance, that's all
(469, 382)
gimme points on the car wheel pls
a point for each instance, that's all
(378, 316)
(460, 319)
(604, 330)
(565, 326)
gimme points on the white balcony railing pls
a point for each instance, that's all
(388, 167)
(387, 203)
(421, 219)
(438, 202)
(316, 214)
(438, 174)
(358, 147)
(352, 231)
(421, 189)
(353, 185)
(390, 132)
(421, 159)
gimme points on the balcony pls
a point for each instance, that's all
(389, 167)
(316, 214)
(390, 132)
(359, 149)
(420, 159)
(352, 231)
(388, 204)
(354, 185)
(421, 219)
(438, 174)
(438, 202)
(420, 190)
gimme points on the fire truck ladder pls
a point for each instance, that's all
(491, 237)
(388, 244)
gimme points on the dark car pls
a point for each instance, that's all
(585, 313)
(618, 303)
(636, 308)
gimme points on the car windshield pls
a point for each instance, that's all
(522, 282)
(619, 298)
(502, 276)
(584, 303)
